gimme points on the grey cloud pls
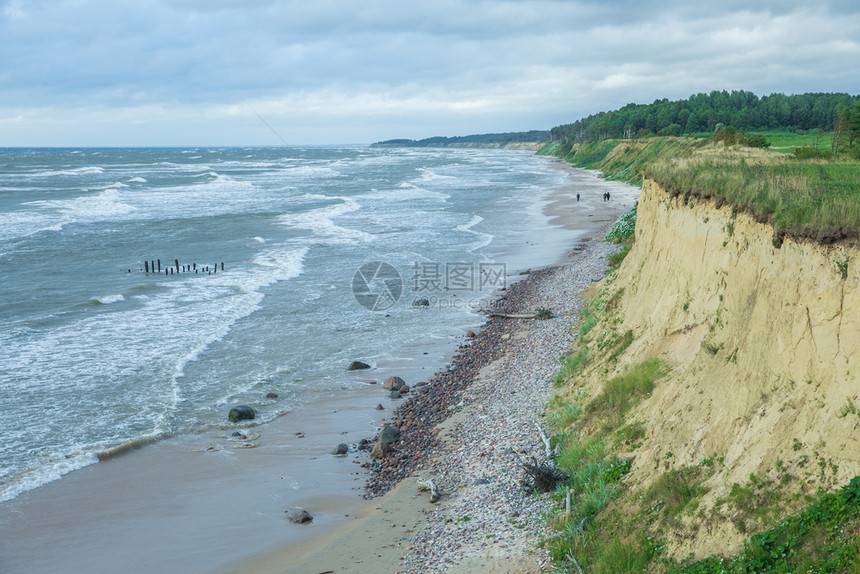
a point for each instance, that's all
(446, 65)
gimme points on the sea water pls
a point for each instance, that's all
(292, 263)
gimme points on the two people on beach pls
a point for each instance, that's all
(606, 196)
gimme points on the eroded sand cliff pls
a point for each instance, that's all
(764, 347)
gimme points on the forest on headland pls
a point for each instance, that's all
(700, 115)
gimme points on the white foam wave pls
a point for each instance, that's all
(406, 192)
(107, 300)
(102, 205)
(430, 175)
(35, 478)
(137, 180)
(321, 221)
(90, 170)
(482, 239)
(317, 172)
(259, 239)
(273, 266)
(19, 224)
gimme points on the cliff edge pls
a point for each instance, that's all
(760, 409)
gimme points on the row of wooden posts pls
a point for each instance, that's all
(155, 267)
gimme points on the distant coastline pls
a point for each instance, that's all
(531, 140)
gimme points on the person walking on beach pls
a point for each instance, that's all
(607, 196)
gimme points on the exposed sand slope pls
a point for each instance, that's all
(764, 345)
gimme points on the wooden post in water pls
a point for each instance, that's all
(146, 266)
(159, 265)
(216, 268)
(177, 264)
(222, 266)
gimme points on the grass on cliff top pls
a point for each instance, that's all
(817, 198)
(806, 198)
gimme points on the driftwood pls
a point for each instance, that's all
(547, 447)
(428, 484)
(514, 315)
(572, 559)
(543, 476)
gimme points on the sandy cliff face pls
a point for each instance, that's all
(764, 345)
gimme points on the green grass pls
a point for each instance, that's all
(799, 197)
(805, 198)
(614, 260)
(673, 491)
(786, 142)
(825, 537)
(622, 392)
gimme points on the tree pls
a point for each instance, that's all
(842, 131)
(854, 124)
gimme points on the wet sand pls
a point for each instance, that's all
(201, 503)
(503, 380)
(192, 503)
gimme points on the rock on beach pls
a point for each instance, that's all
(393, 383)
(507, 368)
(241, 413)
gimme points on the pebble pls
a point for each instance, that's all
(501, 385)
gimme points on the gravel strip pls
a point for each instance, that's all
(489, 398)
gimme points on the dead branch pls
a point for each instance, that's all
(547, 447)
(428, 484)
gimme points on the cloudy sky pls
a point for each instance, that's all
(216, 72)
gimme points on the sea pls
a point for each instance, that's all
(146, 292)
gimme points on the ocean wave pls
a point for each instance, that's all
(483, 239)
(320, 221)
(50, 472)
(430, 175)
(21, 224)
(105, 204)
(107, 300)
(90, 170)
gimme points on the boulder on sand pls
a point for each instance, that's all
(357, 366)
(241, 413)
(380, 449)
(393, 383)
(389, 435)
(300, 517)
(341, 449)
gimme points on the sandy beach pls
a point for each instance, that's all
(210, 502)
(468, 430)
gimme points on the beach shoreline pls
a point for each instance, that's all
(212, 505)
(468, 430)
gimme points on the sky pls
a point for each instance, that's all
(309, 72)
